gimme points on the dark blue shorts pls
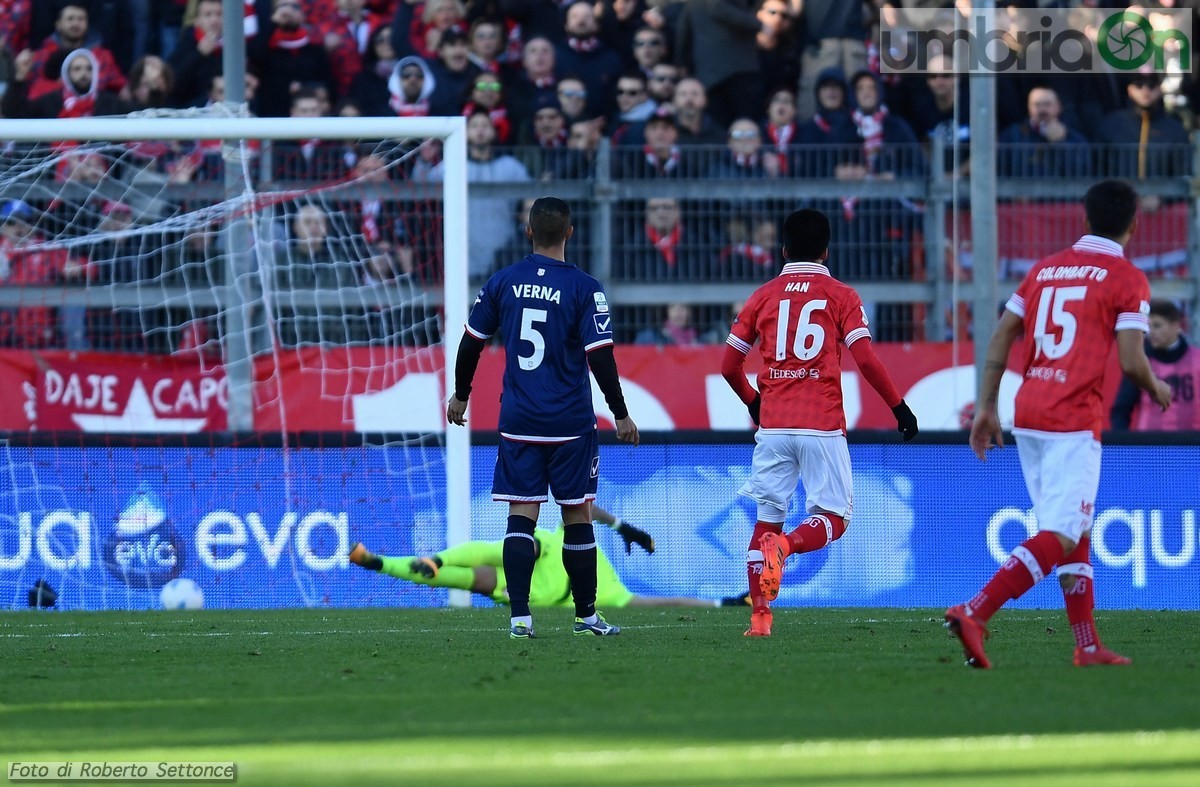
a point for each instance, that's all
(569, 470)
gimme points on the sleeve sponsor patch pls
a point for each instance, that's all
(601, 302)
(603, 322)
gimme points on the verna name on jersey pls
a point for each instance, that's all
(538, 291)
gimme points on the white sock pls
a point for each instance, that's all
(590, 619)
(522, 620)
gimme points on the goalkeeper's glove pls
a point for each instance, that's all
(633, 535)
(906, 422)
(754, 408)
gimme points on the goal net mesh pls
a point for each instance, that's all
(192, 346)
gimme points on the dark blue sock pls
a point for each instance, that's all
(520, 552)
(579, 559)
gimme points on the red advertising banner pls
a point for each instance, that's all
(373, 390)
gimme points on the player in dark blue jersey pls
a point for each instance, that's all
(556, 324)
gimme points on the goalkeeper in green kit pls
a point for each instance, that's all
(478, 566)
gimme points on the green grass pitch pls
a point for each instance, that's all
(370, 696)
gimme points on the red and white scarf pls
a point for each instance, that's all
(657, 164)
(559, 140)
(199, 35)
(781, 137)
(870, 130)
(583, 44)
(78, 106)
(667, 244)
(290, 40)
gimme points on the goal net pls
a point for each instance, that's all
(224, 342)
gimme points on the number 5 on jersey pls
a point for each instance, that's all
(809, 337)
(530, 318)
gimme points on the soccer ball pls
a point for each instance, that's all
(181, 594)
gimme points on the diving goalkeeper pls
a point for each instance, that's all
(478, 566)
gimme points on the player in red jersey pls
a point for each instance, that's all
(801, 319)
(1070, 307)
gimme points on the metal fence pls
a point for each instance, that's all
(680, 235)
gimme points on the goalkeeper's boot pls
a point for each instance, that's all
(521, 631)
(359, 556)
(425, 566)
(760, 624)
(774, 551)
(601, 628)
(971, 633)
(1099, 656)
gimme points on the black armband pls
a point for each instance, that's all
(469, 350)
(603, 364)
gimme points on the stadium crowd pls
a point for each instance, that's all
(796, 93)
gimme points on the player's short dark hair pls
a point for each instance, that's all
(1165, 309)
(549, 220)
(1110, 207)
(806, 235)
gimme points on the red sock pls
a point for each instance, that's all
(1027, 565)
(815, 532)
(1080, 599)
(754, 564)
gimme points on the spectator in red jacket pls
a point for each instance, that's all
(71, 32)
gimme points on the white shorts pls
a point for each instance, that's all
(821, 462)
(1062, 474)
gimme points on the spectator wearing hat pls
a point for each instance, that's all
(79, 93)
(452, 71)
(583, 53)
(409, 87)
(659, 156)
(826, 137)
(1143, 141)
(287, 58)
(545, 140)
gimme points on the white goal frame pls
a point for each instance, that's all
(452, 132)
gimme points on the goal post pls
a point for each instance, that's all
(243, 304)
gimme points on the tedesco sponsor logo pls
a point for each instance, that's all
(144, 549)
(1132, 539)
